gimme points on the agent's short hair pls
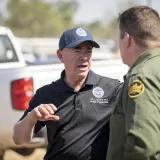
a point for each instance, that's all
(142, 23)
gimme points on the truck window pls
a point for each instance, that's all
(7, 52)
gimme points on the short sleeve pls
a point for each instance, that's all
(142, 119)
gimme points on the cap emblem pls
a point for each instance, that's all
(81, 32)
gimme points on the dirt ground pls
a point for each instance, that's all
(37, 155)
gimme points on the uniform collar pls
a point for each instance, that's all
(61, 86)
(145, 57)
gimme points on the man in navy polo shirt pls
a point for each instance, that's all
(76, 108)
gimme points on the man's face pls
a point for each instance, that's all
(77, 61)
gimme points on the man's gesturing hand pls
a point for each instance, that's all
(44, 112)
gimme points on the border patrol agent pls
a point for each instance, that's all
(135, 121)
(79, 127)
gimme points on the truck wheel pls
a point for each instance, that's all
(1, 155)
(24, 151)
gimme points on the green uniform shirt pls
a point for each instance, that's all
(135, 122)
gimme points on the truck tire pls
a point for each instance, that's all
(24, 151)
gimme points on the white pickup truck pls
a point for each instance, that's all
(18, 83)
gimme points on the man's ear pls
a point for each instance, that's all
(128, 38)
(60, 55)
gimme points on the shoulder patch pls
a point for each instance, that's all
(136, 89)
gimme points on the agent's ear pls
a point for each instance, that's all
(128, 39)
(60, 55)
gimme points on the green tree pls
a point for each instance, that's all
(96, 28)
(112, 26)
(33, 18)
(66, 10)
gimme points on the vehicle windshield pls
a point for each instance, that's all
(7, 52)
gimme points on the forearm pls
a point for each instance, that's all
(23, 130)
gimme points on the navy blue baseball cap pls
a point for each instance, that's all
(74, 36)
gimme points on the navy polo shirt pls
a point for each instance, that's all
(83, 129)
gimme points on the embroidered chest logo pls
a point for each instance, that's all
(98, 92)
(136, 89)
(98, 96)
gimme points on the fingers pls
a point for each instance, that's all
(53, 107)
(42, 110)
(52, 117)
(47, 109)
(45, 112)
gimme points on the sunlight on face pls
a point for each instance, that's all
(77, 61)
